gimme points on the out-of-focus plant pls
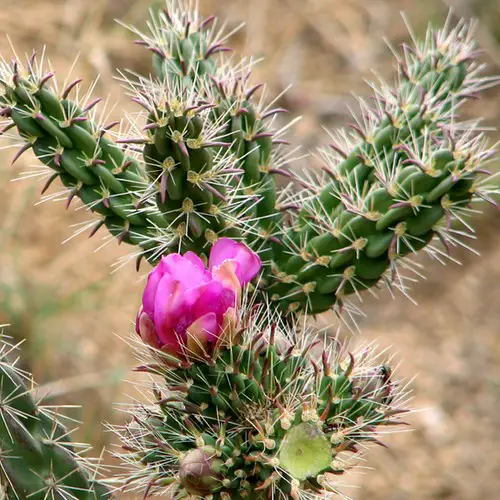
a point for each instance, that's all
(37, 457)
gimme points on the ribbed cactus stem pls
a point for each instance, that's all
(407, 170)
(37, 458)
(187, 164)
(256, 148)
(183, 151)
(68, 139)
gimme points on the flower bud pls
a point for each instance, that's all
(199, 471)
(186, 307)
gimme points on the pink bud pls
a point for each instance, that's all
(247, 263)
(185, 306)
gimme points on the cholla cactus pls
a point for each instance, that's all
(394, 184)
(205, 145)
(246, 405)
(249, 400)
(404, 175)
(37, 458)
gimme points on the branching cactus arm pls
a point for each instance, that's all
(197, 164)
(211, 149)
(73, 144)
(403, 177)
(37, 458)
(201, 163)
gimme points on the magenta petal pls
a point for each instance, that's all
(209, 325)
(148, 297)
(248, 263)
(214, 298)
(186, 270)
(137, 318)
(169, 307)
(223, 249)
(195, 260)
(146, 329)
(191, 295)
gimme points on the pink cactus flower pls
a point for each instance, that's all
(185, 306)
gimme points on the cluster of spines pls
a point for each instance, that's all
(257, 147)
(395, 183)
(241, 198)
(182, 41)
(207, 151)
(235, 410)
(37, 458)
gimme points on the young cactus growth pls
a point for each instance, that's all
(209, 148)
(37, 458)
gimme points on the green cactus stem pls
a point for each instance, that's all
(37, 458)
(183, 153)
(73, 146)
(397, 182)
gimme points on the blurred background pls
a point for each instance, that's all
(75, 313)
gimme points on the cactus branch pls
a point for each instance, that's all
(395, 183)
(37, 458)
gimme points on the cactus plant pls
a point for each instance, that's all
(272, 411)
(249, 400)
(247, 405)
(403, 176)
(37, 457)
(192, 187)
(406, 171)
